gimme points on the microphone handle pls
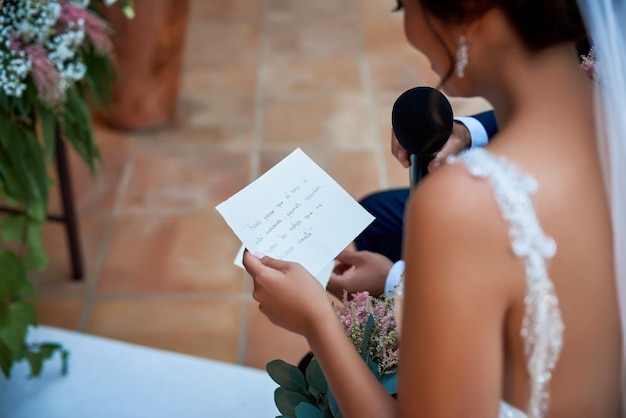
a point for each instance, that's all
(419, 168)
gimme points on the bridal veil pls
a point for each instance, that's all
(605, 21)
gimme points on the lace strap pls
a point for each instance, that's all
(542, 326)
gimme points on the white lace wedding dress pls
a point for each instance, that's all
(542, 326)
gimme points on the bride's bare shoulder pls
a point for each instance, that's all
(453, 222)
(453, 195)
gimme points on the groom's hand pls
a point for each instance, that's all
(358, 271)
(459, 140)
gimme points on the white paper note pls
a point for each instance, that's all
(296, 212)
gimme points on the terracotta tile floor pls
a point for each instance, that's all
(261, 77)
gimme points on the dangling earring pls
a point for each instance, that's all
(461, 57)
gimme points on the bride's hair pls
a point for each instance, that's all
(540, 23)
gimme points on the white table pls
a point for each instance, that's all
(113, 379)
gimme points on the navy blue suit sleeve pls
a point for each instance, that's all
(488, 120)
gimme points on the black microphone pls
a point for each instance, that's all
(422, 122)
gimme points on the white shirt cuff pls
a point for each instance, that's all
(477, 131)
(393, 277)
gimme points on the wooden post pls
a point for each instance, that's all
(69, 217)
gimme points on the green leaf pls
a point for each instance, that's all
(315, 377)
(34, 234)
(99, 79)
(23, 312)
(21, 105)
(36, 212)
(4, 102)
(36, 362)
(306, 410)
(13, 227)
(326, 413)
(6, 360)
(64, 361)
(40, 352)
(33, 165)
(372, 366)
(286, 401)
(369, 325)
(5, 318)
(48, 131)
(14, 322)
(35, 258)
(23, 173)
(48, 349)
(76, 128)
(332, 403)
(25, 289)
(12, 274)
(286, 375)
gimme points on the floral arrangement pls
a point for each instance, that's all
(370, 325)
(382, 346)
(55, 62)
(589, 64)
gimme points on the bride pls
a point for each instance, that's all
(514, 254)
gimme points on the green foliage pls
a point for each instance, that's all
(306, 410)
(286, 375)
(369, 325)
(315, 378)
(26, 155)
(28, 132)
(76, 128)
(308, 395)
(287, 401)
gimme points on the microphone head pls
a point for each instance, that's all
(422, 120)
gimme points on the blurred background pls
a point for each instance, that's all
(259, 78)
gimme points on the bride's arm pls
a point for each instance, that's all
(294, 300)
(358, 392)
(459, 271)
(456, 293)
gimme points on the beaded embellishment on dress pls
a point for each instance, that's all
(542, 326)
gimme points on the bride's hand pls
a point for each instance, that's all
(287, 294)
